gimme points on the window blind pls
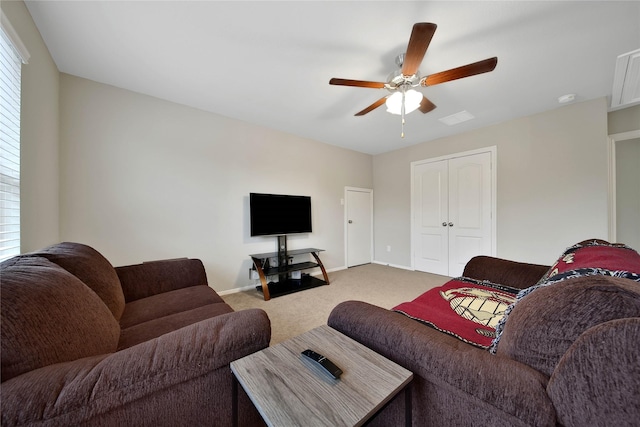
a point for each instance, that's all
(10, 69)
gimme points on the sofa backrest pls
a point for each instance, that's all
(49, 316)
(90, 267)
(514, 274)
(544, 324)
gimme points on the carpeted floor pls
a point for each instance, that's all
(296, 313)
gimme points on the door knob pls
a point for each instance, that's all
(350, 222)
(450, 224)
(444, 224)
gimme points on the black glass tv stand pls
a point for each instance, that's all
(285, 284)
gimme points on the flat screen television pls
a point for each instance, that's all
(279, 214)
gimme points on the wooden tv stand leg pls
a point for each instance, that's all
(263, 279)
(324, 272)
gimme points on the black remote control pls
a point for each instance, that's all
(326, 364)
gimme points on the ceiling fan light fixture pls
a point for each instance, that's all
(411, 103)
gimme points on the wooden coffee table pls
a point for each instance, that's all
(287, 390)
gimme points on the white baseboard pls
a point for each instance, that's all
(403, 267)
(236, 290)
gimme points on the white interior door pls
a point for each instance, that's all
(359, 227)
(430, 210)
(469, 210)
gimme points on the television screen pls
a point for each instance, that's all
(278, 214)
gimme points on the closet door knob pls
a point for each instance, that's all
(450, 224)
(444, 224)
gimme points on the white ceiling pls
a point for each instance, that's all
(269, 63)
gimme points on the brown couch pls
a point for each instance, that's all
(569, 354)
(84, 343)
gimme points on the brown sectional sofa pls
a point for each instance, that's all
(569, 354)
(84, 343)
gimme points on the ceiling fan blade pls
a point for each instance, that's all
(426, 105)
(372, 107)
(357, 83)
(457, 73)
(421, 36)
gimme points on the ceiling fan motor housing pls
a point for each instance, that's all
(396, 79)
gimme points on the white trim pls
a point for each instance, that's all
(493, 150)
(236, 290)
(611, 153)
(403, 267)
(346, 201)
(15, 39)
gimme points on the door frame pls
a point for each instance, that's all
(493, 150)
(345, 231)
(611, 152)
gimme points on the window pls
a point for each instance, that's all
(12, 55)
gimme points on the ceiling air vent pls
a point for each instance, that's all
(626, 80)
(456, 118)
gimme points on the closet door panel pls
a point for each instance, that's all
(469, 209)
(430, 210)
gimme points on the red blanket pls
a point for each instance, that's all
(605, 256)
(465, 308)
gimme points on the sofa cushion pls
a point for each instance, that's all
(542, 326)
(92, 268)
(49, 316)
(156, 277)
(167, 303)
(154, 328)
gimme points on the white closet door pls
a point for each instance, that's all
(469, 210)
(452, 212)
(430, 210)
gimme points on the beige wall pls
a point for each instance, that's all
(628, 192)
(551, 183)
(143, 179)
(627, 167)
(38, 135)
(625, 120)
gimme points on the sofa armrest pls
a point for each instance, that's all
(181, 378)
(504, 272)
(155, 277)
(597, 381)
(448, 369)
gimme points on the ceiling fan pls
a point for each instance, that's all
(403, 98)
